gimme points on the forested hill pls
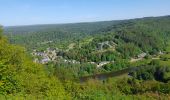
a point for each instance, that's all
(150, 34)
(86, 27)
(127, 39)
(152, 29)
(38, 35)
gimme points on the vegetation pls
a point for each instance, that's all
(128, 39)
(34, 37)
(21, 78)
(114, 43)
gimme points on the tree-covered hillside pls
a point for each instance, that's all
(149, 34)
(37, 36)
(129, 38)
(20, 78)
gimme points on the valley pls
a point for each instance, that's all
(85, 50)
(107, 45)
(129, 58)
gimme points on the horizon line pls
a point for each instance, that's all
(81, 22)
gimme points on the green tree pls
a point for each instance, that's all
(20, 76)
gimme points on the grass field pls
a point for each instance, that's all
(165, 63)
(141, 62)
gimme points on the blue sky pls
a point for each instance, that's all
(26, 12)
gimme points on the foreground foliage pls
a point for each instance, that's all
(20, 77)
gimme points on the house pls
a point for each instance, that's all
(45, 60)
(142, 55)
(102, 63)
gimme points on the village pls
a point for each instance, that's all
(51, 55)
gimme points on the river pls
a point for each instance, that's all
(104, 76)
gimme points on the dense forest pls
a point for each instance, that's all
(150, 35)
(37, 36)
(85, 49)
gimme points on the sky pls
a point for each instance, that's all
(28, 12)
